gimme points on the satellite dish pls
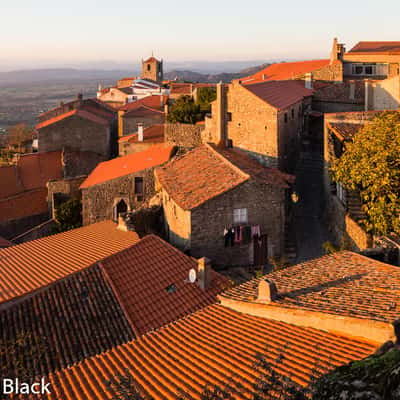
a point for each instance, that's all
(192, 275)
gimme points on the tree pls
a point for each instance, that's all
(185, 111)
(371, 165)
(69, 215)
(19, 134)
(205, 96)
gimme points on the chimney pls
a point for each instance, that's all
(264, 77)
(267, 291)
(352, 90)
(221, 123)
(166, 109)
(337, 51)
(140, 132)
(204, 272)
(308, 80)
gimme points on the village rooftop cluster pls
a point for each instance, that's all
(190, 260)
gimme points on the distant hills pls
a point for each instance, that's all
(66, 75)
(212, 78)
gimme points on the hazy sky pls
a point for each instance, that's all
(46, 32)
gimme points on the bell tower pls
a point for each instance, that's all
(153, 69)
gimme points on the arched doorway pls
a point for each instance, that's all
(120, 208)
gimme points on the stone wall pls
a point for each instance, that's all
(177, 223)
(255, 126)
(78, 134)
(129, 124)
(183, 135)
(359, 239)
(68, 187)
(77, 163)
(15, 227)
(127, 147)
(98, 201)
(265, 207)
(333, 72)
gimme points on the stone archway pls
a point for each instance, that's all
(120, 207)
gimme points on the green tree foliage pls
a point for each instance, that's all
(205, 96)
(371, 164)
(185, 111)
(69, 215)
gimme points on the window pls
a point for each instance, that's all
(292, 112)
(139, 185)
(229, 116)
(148, 67)
(240, 216)
(369, 70)
(285, 117)
(363, 69)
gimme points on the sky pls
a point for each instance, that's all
(106, 33)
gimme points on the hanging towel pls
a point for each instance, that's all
(255, 230)
(238, 234)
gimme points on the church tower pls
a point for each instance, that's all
(153, 69)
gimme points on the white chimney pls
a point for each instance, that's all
(308, 80)
(140, 132)
(267, 291)
(204, 272)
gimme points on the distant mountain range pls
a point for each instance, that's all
(212, 78)
(65, 75)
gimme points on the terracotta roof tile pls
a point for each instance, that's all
(207, 172)
(70, 320)
(376, 48)
(152, 134)
(181, 88)
(29, 266)
(340, 92)
(77, 112)
(213, 346)
(285, 71)
(343, 283)
(121, 166)
(280, 94)
(24, 204)
(345, 131)
(140, 276)
(155, 102)
(32, 171)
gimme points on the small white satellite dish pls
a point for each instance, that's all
(192, 275)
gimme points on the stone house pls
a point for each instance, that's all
(265, 119)
(122, 185)
(222, 204)
(146, 112)
(372, 60)
(141, 140)
(79, 126)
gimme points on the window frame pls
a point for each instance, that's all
(240, 215)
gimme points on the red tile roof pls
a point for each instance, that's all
(207, 172)
(32, 171)
(140, 276)
(77, 112)
(121, 166)
(24, 204)
(376, 48)
(181, 88)
(344, 283)
(151, 59)
(343, 130)
(285, 71)
(156, 102)
(280, 94)
(214, 346)
(142, 111)
(29, 266)
(72, 319)
(152, 134)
